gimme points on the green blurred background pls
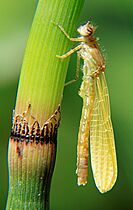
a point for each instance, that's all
(115, 29)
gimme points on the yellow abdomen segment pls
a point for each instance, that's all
(87, 93)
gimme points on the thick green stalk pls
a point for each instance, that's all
(32, 146)
(43, 75)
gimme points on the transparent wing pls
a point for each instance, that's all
(103, 155)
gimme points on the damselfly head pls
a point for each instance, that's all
(86, 30)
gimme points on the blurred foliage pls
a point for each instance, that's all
(114, 21)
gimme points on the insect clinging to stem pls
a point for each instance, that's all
(95, 122)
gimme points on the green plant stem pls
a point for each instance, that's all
(43, 74)
(32, 146)
(31, 164)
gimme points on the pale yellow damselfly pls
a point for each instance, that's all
(95, 121)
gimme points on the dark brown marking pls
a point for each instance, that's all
(19, 151)
(22, 132)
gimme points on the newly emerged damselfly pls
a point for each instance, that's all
(95, 121)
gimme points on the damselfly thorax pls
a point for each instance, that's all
(95, 123)
(91, 54)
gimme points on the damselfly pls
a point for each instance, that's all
(95, 121)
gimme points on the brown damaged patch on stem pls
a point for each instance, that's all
(24, 132)
(19, 150)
